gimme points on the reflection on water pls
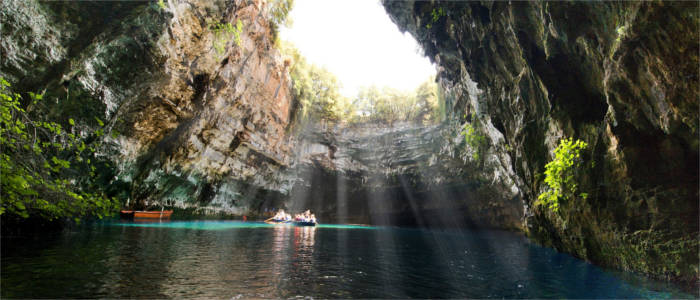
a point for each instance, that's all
(304, 238)
(237, 259)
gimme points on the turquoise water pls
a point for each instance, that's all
(223, 225)
(229, 259)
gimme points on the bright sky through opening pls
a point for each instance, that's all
(356, 41)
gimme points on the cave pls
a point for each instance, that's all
(349, 149)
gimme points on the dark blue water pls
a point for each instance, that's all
(226, 259)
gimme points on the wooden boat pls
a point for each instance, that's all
(126, 214)
(273, 221)
(164, 214)
(295, 222)
(138, 214)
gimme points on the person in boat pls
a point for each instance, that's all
(281, 216)
(313, 218)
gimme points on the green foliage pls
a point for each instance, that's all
(161, 4)
(508, 147)
(560, 174)
(621, 31)
(385, 105)
(473, 139)
(278, 12)
(388, 105)
(224, 33)
(435, 15)
(42, 165)
(430, 102)
(316, 89)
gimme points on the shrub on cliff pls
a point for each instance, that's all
(473, 139)
(224, 33)
(45, 170)
(561, 173)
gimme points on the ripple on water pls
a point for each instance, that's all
(222, 225)
(230, 259)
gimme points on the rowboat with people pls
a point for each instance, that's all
(303, 219)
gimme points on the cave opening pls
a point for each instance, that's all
(366, 97)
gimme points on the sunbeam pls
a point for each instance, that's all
(341, 196)
(412, 202)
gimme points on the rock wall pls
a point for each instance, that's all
(407, 174)
(622, 76)
(194, 118)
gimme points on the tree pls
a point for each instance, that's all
(389, 105)
(278, 11)
(427, 101)
(316, 89)
(43, 166)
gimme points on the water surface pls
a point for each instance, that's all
(229, 259)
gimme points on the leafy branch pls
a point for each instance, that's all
(473, 139)
(224, 32)
(42, 165)
(435, 15)
(561, 174)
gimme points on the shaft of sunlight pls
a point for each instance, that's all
(412, 202)
(341, 199)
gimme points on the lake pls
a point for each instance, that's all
(231, 259)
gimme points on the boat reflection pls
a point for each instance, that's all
(304, 237)
(280, 246)
(293, 258)
(149, 221)
(301, 239)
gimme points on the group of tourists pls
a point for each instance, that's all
(306, 216)
(282, 216)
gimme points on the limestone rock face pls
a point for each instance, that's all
(199, 119)
(195, 117)
(405, 174)
(622, 76)
(214, 125)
